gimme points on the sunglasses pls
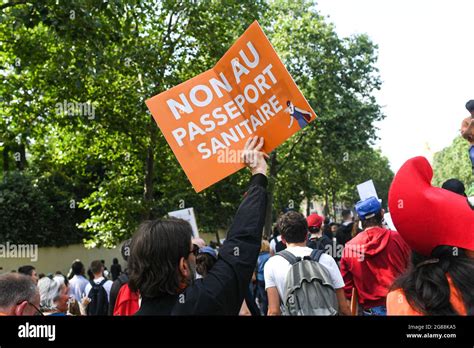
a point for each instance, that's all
(38, 311)
(195, 250)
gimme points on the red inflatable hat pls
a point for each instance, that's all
(427, 216)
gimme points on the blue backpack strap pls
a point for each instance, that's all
(316, 254)
(292, 259)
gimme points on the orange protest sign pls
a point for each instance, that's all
(207, 119)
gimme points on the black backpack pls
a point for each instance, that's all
(99, 304)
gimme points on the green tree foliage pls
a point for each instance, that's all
(74, 76)
(38, 211)
(337, 76)
(453, 162)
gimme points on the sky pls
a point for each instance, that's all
(426, 63)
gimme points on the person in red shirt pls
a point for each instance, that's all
(373, 259)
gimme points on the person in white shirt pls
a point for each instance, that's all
(273, 244)
(78, 283)
(276, 243)
(97, 269)
(294, 231)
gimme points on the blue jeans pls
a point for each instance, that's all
(375, 311)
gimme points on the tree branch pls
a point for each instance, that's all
(285, 160)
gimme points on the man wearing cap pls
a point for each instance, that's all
(467, 130)
(317, 240)
(373, 259)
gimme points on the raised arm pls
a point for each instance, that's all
(222, 290)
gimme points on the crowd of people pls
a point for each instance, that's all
(309, 266)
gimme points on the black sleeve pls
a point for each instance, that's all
(325, 242)
(343, 234)
(222, 291)
(114, 290)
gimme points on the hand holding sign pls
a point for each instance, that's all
(253, 157)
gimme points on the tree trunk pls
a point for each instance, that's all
(271, 186)
(334, 203)
(149, 171)
(6, 161)
(308, 206)
(326, 204)
(21, 164)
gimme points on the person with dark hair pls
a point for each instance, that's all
(440, 278)
(115, 269)
(467, 130)
(105, 271)
(334, 227)
(162, 263)
(98, 290)
(18, 295)
(276, 243)
(318, 240)
(326, 228)
(123, 301)
(344, 232)
(205, 260)
(29, 271)
(214, 245)
(90, 274)
(439, 284)
(454, 185)
(470, 106)
(294, 231)
(78, 283)
(373, 259)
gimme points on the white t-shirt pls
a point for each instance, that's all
(107, 286)
(277, 268)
